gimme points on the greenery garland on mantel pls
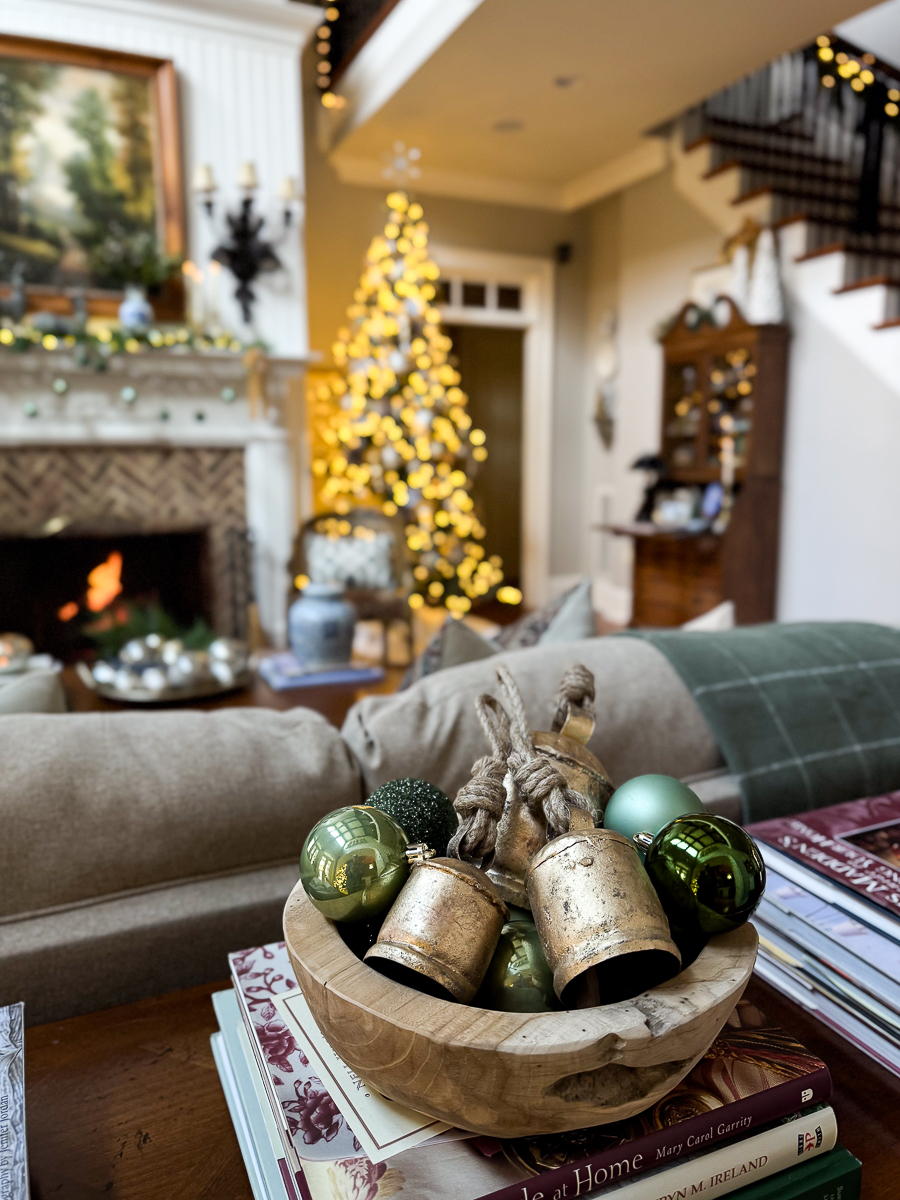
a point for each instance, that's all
(97, 348)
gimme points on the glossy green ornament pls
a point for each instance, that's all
(518, 978)
(708, 874)
(647, 802)
(423, 810)
(354, 863)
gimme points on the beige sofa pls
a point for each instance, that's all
(138, 848)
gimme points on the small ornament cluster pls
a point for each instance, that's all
(448, 927)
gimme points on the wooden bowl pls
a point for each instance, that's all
(513, 1074)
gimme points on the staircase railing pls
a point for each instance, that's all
(820, 128)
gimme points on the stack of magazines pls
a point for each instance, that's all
(752, 1120)
(829, 923)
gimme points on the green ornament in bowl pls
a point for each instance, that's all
(354, 863)
(648, 802)
(708, 873)
(423, 810)
(519, 978)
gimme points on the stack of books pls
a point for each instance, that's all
(829, 923)
(752, 1120)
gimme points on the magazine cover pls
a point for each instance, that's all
(856, 845)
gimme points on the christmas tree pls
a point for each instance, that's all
(397, 434)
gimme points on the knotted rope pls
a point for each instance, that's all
(479, 803)
(576, 690)
(542, 786)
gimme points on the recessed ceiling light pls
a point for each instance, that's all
(508, 125)
(565, 81)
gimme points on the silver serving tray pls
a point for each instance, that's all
(199, 691)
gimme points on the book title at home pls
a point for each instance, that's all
(585, 1180)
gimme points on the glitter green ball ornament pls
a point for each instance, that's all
(518, 978)
(354, 863)
(646, 803)
(421, 808)
(708, 873)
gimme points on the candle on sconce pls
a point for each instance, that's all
(246, 177)
(287, 191)
(214, 276)
(204, 180)
(196, 306)
(727, 457)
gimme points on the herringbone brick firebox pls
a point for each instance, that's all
(45, 490)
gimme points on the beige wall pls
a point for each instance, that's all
(645, 243)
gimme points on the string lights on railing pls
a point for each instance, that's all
(326, 65)
(838, 62)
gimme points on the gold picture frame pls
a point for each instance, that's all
(90, 132)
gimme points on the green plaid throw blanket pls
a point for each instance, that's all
(806, 715)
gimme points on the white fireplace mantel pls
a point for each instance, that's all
(170, 399)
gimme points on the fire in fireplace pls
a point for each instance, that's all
(59, 589)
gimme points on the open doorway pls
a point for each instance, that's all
(489, 358)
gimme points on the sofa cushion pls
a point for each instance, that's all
(647, 720)
(97, 803)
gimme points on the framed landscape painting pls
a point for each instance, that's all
(90, 175)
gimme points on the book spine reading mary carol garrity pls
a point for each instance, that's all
(13, 1157)
(710, 1174)
(696, 1134)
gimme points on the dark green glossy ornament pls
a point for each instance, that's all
(708, 874)
(518, 978)
(423, 810)
(354, 863)
(647, 802)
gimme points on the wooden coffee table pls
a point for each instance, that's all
(126, 1103)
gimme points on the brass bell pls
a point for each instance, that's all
(442, 930)
(596, 912)
(522, 831)
(520, 834)
(566, 747)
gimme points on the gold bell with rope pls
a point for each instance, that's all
(600, 921)
(522, 828)
(442, 930)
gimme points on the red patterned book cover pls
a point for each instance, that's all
(855, 845)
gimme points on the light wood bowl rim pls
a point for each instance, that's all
(316, 944)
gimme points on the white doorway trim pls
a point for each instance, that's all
(535, 278)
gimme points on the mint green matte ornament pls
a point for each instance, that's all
(647, 803)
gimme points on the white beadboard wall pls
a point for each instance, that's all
(241, 97)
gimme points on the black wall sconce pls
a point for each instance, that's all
(242, 248)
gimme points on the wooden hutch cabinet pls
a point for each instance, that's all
(723, 393)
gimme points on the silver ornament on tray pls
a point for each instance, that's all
(15, 651)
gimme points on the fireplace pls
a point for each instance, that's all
(60, 586)
(201, 482)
